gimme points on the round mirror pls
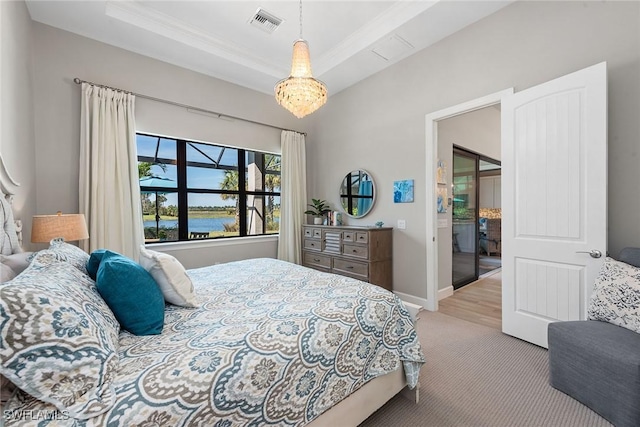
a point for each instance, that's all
(357, 193)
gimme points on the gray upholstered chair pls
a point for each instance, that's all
(598, 363)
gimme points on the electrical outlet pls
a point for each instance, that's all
(402, 224)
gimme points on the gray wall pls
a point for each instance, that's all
(17, 140)
(379, 124)
(59, 56)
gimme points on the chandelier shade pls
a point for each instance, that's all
(300, 93)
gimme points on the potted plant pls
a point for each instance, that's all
(319, 208)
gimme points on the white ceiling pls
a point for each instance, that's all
(349, 40)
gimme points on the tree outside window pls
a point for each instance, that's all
(207, 195)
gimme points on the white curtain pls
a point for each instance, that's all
(293, 196)
(109, 189)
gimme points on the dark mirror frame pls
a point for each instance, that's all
(351, 200)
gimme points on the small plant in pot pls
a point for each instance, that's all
(319, 208)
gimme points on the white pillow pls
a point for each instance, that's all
(6, 273)
(175, 284)
(616, 297)
(17, 262)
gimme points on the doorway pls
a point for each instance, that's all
(570, 229)
(476, 216)
(434, 223)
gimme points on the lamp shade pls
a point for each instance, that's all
(70, 227)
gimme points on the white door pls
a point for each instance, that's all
(554, 200)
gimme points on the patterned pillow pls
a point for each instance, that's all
(616, 297)
(59, 340)
(70, 253)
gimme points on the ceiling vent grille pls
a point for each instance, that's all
(265, 21)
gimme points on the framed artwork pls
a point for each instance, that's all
(441, 172)
(403, 191)
(442, 200)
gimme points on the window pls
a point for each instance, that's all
(193, 190)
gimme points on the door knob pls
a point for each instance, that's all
(594, 253)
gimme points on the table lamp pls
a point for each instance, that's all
(70, 227)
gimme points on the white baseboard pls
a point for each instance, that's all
(422, 302)
(444, 293)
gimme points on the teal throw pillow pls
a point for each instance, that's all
(131, 293)
(94, 262)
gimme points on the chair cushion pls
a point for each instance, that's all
(598, 364)
(616, 297)
(131, 293)
(60, 340)
(175, 284)
(630, 256)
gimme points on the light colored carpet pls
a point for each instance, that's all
(476, 376)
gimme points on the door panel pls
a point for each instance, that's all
(548, 154)
(554, 200)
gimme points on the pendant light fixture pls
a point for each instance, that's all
(300, 93)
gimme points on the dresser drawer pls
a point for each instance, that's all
(360, 269)
(317, 260)
(362, 237)
(314, 245)
(348, 236)
(314, 233)
(356, 251)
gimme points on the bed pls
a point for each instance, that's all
(268, 343)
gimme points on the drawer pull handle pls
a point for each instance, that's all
(350, 267)
(316, 260)
(355, 250)
(361, 237)
(312, 244)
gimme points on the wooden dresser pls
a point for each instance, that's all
(365, 253)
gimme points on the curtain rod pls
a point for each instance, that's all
(188, 107)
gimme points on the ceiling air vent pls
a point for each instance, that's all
(266, 21)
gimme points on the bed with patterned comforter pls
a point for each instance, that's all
(270, 343)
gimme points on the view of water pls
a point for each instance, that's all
(195, 224)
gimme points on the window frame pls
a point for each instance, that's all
(183, 191)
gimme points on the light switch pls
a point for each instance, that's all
(402, 224)
(443, 223)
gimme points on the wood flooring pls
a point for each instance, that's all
(478, 302)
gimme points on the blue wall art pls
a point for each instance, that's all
(403, 191)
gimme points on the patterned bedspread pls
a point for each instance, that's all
(271, 343)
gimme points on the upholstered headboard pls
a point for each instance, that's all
(11, 232)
